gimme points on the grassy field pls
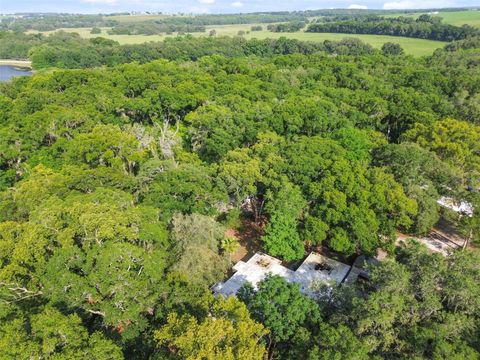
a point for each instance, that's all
(457, 18)
(416, 47)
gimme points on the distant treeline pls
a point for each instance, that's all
(152, 28)
(424, 27)
(70, 51)
(222, 19)
(291, 26)
(49, 22)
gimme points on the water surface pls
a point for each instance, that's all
(7, 72)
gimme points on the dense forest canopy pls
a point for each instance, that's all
(124, 170)
(70, 51)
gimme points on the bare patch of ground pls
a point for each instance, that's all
(248, 236)
(443, 238)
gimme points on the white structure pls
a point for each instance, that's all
(462, 207)
(315, 269)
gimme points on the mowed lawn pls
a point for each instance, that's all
(416, 47)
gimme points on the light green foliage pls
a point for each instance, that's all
(105, 146)
(423, 175)
(222, 135)
(229, 244)
(335, 342)
(454, 141)
(241, 174)
(53, 335)
(311, 116)
(469, 226)
(197, 243)
(121, 284)
(281, 238)
(227, 332)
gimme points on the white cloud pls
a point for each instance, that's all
(100, 2)
(408, 4)
(198, 10)
(206, 1)
(236, 4)
(356, 6)
(397, 5)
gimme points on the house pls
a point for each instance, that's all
(315, 269)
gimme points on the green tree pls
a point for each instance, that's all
(106, 145)
(117, 285)
(197, 244)
(354, 207)
(281, 236)
(53, 335)
(455, 142)
(241, 173)
(229, 245)
(280, 306)
(392, 49)
(226, 332)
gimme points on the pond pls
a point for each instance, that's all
(8, 71)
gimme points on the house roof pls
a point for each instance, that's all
(315, 269)
(461, 207)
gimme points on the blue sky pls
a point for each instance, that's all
(213, 6)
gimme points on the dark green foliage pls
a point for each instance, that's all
(17, 45)
(152, 28)
(281, 236)
(48, 22)
(69, 50)
(280, 306)
(424, 27)
(292, 26)
(392, 49)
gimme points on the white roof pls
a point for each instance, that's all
(461, 207)
(316, 268)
